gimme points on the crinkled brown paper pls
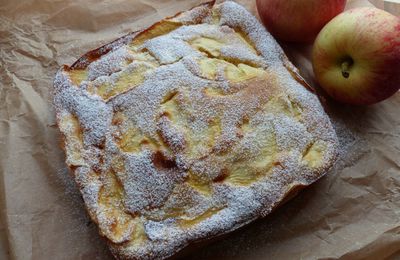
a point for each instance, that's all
(352, 213)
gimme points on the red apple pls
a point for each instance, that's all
(298, 20)
(356, 56)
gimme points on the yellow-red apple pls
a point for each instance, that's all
(298, 20)
(356, 56)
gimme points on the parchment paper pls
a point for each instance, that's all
(352, 213)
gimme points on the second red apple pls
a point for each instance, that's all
(298, 20)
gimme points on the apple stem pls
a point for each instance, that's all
(345, 68)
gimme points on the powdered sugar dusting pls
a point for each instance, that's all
(94, 114)
(144, 177)
(110, 63)
(211, 140)
(236, 17)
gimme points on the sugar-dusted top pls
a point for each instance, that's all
(188, 130)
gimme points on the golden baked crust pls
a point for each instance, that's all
(188, 130)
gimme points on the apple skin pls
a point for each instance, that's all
(297, 20)
(356, 56)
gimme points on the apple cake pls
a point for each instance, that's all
(188, 130)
